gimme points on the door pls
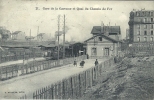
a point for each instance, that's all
(106, 52)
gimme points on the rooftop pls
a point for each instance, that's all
(107, 37)
(110, 29)
(16, 32)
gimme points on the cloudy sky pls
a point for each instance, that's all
(23, 16)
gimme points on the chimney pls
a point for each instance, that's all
(102, 27)
(107, 30)
(109, 26)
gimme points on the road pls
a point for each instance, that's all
(29, 83)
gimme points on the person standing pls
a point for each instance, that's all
(75, 63)
(96, 62)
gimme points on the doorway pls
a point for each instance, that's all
(106, 52)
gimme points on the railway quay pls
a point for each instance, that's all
(14, 70)
(63, 82)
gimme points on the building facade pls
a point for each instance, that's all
(104, 42)
(141, 26)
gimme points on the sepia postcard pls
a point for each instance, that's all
(86, 50)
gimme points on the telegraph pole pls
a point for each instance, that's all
(37, 32)
(58, 35)
(64, 39)
(30, 37)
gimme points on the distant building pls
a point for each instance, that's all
(4, 33)
(18, 35)
(105, 41)
(43, 37)
(141, 26)
(29, 38)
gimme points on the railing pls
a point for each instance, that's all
(7, 72)
(74, 86)
(98, 57)
(17, 57)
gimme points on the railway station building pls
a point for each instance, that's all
(105, 41)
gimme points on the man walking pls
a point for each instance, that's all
(82, 63)
(96, 62)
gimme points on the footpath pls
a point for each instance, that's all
(19, 86)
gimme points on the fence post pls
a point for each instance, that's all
(34, 95)
(63, 89)
(73, 87)
(51, 92)
(91, 76)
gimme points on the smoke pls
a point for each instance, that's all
(61, 32)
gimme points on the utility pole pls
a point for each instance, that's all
(37, 33)
(64, 39)
(30, 37)
(58, 35)
(30, 41)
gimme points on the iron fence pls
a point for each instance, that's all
(6, 58)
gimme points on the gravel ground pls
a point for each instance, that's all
(132, 79)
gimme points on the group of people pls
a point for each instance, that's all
(83, 62)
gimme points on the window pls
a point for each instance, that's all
(151, 32)
(145, 32)
(137, 14)
(151, 13)
(138, 39)
(148, 13)
(100, 38)
(142, 13)
(145, 39)
(152, 26)
(138, 33)
(140, 19)
(151, 38)
(138, 26)
(145, 26)
(151, 19)
(93, 51)
(145, 19)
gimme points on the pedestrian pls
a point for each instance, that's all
(75, 63)
(115, 60)
(87, 56)
(82, 63)
(96, 62)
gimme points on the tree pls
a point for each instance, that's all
(4, 33)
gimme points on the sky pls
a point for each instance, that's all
(23, 16)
